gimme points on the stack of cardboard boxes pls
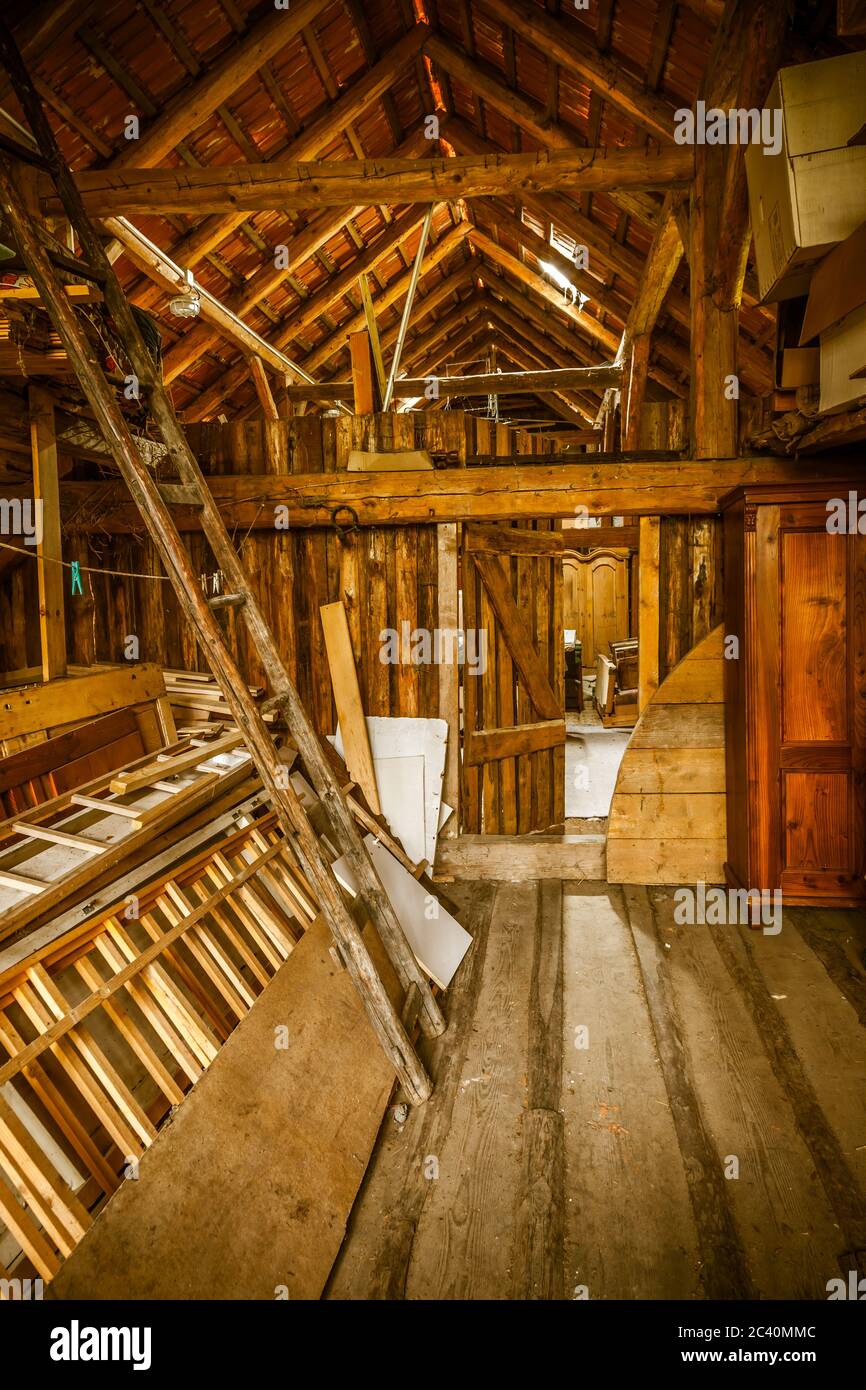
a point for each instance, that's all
(808, 209)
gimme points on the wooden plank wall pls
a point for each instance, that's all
(667, 816)
(516, 795)
(384, 575)
(690, 551)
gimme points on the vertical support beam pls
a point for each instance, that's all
(362, 372)
(263, 389)
(46, 494)
(448, 623)
(636, 370)
(373, 330)
(608, 435)
(273, 444)
(648, 610)
(746, 51)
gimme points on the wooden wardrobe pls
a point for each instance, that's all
(795, 695)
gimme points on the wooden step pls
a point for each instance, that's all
(227, 601)
(517, 858)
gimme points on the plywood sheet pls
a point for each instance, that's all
(248, 1190)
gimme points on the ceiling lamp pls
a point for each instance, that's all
(187, 304)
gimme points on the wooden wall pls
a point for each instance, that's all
(667, 816)
(384, 575)
(690, 551)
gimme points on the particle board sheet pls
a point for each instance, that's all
(246, 1194)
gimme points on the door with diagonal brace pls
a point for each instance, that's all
(513, 764)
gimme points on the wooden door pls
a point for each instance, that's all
(513, 764)
(821, 734)
(596, 600)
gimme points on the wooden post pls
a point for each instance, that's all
(745, 54)
(636, 369)
(263, 389)
(362, 372)
(373, 330)
(46, 495)
(648, 610)
(449, 676)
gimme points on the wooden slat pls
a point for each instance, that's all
(58, 837)
(512, 540)
(166, 765)
(347, 697)
(513, 626)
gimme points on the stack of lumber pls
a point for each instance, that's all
(196, 699)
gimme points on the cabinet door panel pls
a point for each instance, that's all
(814, 656)
(817, 821)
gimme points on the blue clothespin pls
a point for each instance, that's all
(76, 578)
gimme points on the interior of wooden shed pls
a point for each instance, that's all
(433, 649)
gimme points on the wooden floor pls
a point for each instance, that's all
(627, 1108)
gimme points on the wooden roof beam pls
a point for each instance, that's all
(197, 101)
(605, 252)
(485, 81)
(565, 44)
(303, 316)
(212, 398)
(554, 297)
(252, 188)
(349, 106)
(200, 338)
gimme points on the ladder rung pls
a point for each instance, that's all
(180, 495)
(227, 601)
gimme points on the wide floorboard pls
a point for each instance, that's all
(627, 1107)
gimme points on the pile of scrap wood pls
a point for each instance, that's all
(196, 700)
(399, 765)
(144, 913)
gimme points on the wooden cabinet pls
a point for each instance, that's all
(595, 595)
(795, 696)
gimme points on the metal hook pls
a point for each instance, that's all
(343, 532)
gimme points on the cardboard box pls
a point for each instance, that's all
(812, 194)
(800, 367)
(843, 351)
(838, 286)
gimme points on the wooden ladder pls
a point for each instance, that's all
(154, 504)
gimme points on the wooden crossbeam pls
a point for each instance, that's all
(499, 383)
(264, 187)
(607, 485)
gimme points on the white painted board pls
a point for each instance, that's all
(405, 738)
(439, 942)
